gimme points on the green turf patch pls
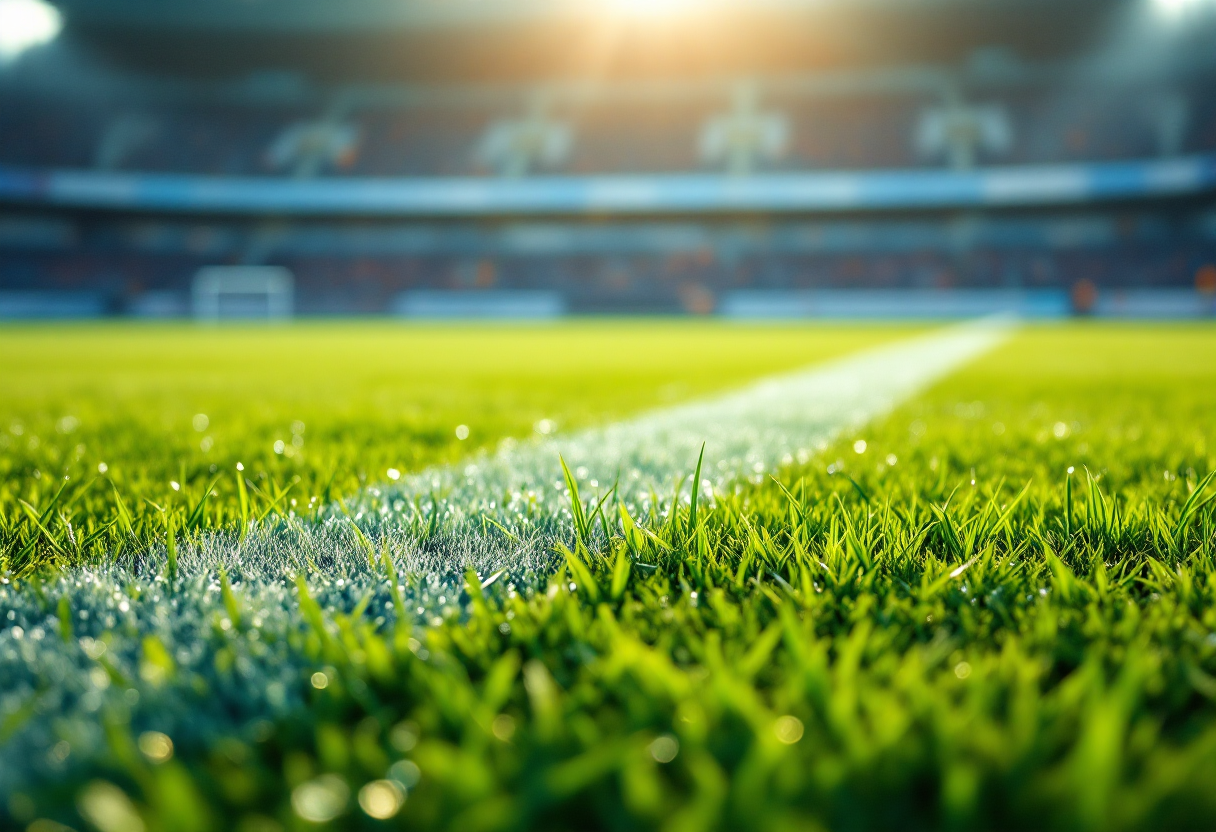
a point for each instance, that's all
(932, 624)
(149, 423)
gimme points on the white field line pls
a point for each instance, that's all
(435, 518)
(746, 434)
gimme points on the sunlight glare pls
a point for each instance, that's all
(649, 8)
(26, 23)
(1175, 8)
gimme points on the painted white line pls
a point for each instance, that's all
(746, 433)
(434, 521)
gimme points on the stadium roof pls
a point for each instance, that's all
(356, 15)
(522, 39)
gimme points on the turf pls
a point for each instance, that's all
(314, 411)
(991, 609)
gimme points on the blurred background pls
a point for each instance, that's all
(537, 158)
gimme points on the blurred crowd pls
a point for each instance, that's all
(145, 267)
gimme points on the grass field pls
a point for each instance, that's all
(990, 609)
(116, 409)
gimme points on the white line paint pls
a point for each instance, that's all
(434, 523)
(746, 432)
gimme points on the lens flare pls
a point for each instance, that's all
(26, 23)
(1175, 8)
(649, 8)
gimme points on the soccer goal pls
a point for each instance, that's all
(222, 292)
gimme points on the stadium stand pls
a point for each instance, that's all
(649, 134)
(657, 266)
(639, 192)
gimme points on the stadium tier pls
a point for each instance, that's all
(144, 266)
(1024, 164)
(631, 128)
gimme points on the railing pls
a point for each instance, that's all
(807, 192)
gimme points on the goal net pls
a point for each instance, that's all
(222, 292)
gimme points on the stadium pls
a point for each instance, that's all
(607, 415)
(547, 158)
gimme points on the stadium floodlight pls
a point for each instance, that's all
(649, 8)
(1175, 8)
(243, 292)
(25, 24)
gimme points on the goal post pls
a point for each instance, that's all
(225, 292)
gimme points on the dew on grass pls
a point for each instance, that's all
(664, 748)
(381, 799)
(157, 747)
(405, 772)
(404, 736)
(322, 799)
(789, 729)
(108, 808)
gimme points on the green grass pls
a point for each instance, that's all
(347, 401)
(946, 630)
